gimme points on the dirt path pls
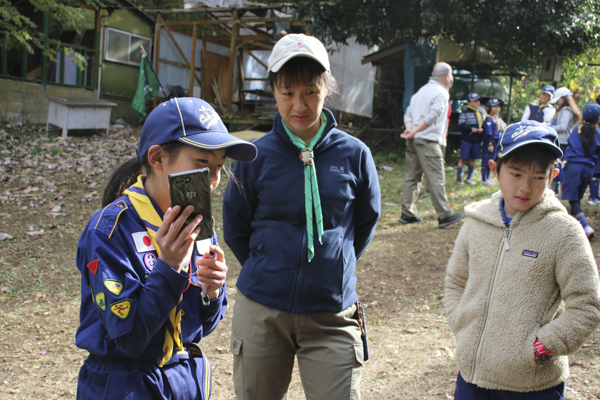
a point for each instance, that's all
(400, 279)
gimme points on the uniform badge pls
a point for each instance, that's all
(93, 266)
(115, 287)
(101, 301)
(121, 308)
(142, 241)
(150, 260)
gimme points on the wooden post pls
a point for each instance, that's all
(202, 61)
(193, 60)
(156, 55)
(230, 75)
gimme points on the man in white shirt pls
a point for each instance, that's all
(426, 121)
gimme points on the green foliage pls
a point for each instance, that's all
(519, 33)
(21, 31)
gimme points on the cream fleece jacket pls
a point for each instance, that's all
(504, 288)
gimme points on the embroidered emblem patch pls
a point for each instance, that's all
(150, 260)
(101, 301)
(528, 253)
(208, 117)
(121, 308)
(142, 242)
(93, 266)
(115, 287)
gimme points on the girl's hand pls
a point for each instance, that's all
(491, 147)
(212, 271)
(176, 243)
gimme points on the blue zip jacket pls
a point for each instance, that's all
(575, 152)
(265, 221)
(468, 120)
(127, 293)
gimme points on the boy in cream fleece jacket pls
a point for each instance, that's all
(502, 305)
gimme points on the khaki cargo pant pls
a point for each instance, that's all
(425, 157)
(264, 342)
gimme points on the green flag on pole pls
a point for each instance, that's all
(147, 88)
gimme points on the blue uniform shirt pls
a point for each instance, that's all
(127, 293)
(575, 152)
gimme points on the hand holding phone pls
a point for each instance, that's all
(193, 188)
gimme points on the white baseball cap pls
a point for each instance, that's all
(298, 45)
(560, 92)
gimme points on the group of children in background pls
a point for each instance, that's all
(578, 137)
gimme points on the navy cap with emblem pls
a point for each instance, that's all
(525, 133)
(548, 89)
(472, 97)
(194, 122)
(494, 102)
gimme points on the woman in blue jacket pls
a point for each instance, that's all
(581, 157)
(306, 211)
(142, 309)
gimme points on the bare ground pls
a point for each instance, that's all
(52, 184)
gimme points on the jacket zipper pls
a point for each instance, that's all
(505, 247)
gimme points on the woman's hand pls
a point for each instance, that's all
(212, 271)
(176, 243)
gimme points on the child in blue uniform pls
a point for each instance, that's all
(581, 156)
(470, 123)
(595, 182)
(491, 133)
(142, 311)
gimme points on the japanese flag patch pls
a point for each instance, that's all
(142, 242)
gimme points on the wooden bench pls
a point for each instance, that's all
(78, 113)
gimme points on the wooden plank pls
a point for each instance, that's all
(177, 64)
(256, 58)
(193, 60)
(203, 64)
(227, 21)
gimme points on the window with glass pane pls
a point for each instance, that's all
(136, 54)
(117, 48)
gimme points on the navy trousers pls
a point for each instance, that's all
(468, 391)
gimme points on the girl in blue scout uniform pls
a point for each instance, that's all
(492, 128)
(565, 119)
(142, 311)
(470, 123)
(306, 211)
(581, 157)
(541, 110)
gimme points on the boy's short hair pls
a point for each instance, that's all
(528, 143)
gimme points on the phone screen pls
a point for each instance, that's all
(193, 187)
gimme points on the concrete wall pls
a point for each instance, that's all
(25, 102)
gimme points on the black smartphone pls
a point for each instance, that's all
(193, 188)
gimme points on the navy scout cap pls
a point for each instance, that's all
(194, 122)
(472, 96)
(494, 102)
(524, 133)
(591, 112)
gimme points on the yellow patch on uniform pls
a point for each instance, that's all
(115, 287)
(101, 301)
(121, 308)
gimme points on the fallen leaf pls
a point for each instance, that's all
(5, 236)
(56, 209)
(35, 233)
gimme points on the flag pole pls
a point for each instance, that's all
(152, 69)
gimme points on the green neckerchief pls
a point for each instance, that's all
(312, 200)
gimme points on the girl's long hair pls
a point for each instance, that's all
(588, 132)
(127, 173)
(570, 102)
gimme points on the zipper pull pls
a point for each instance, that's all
(506, 232)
